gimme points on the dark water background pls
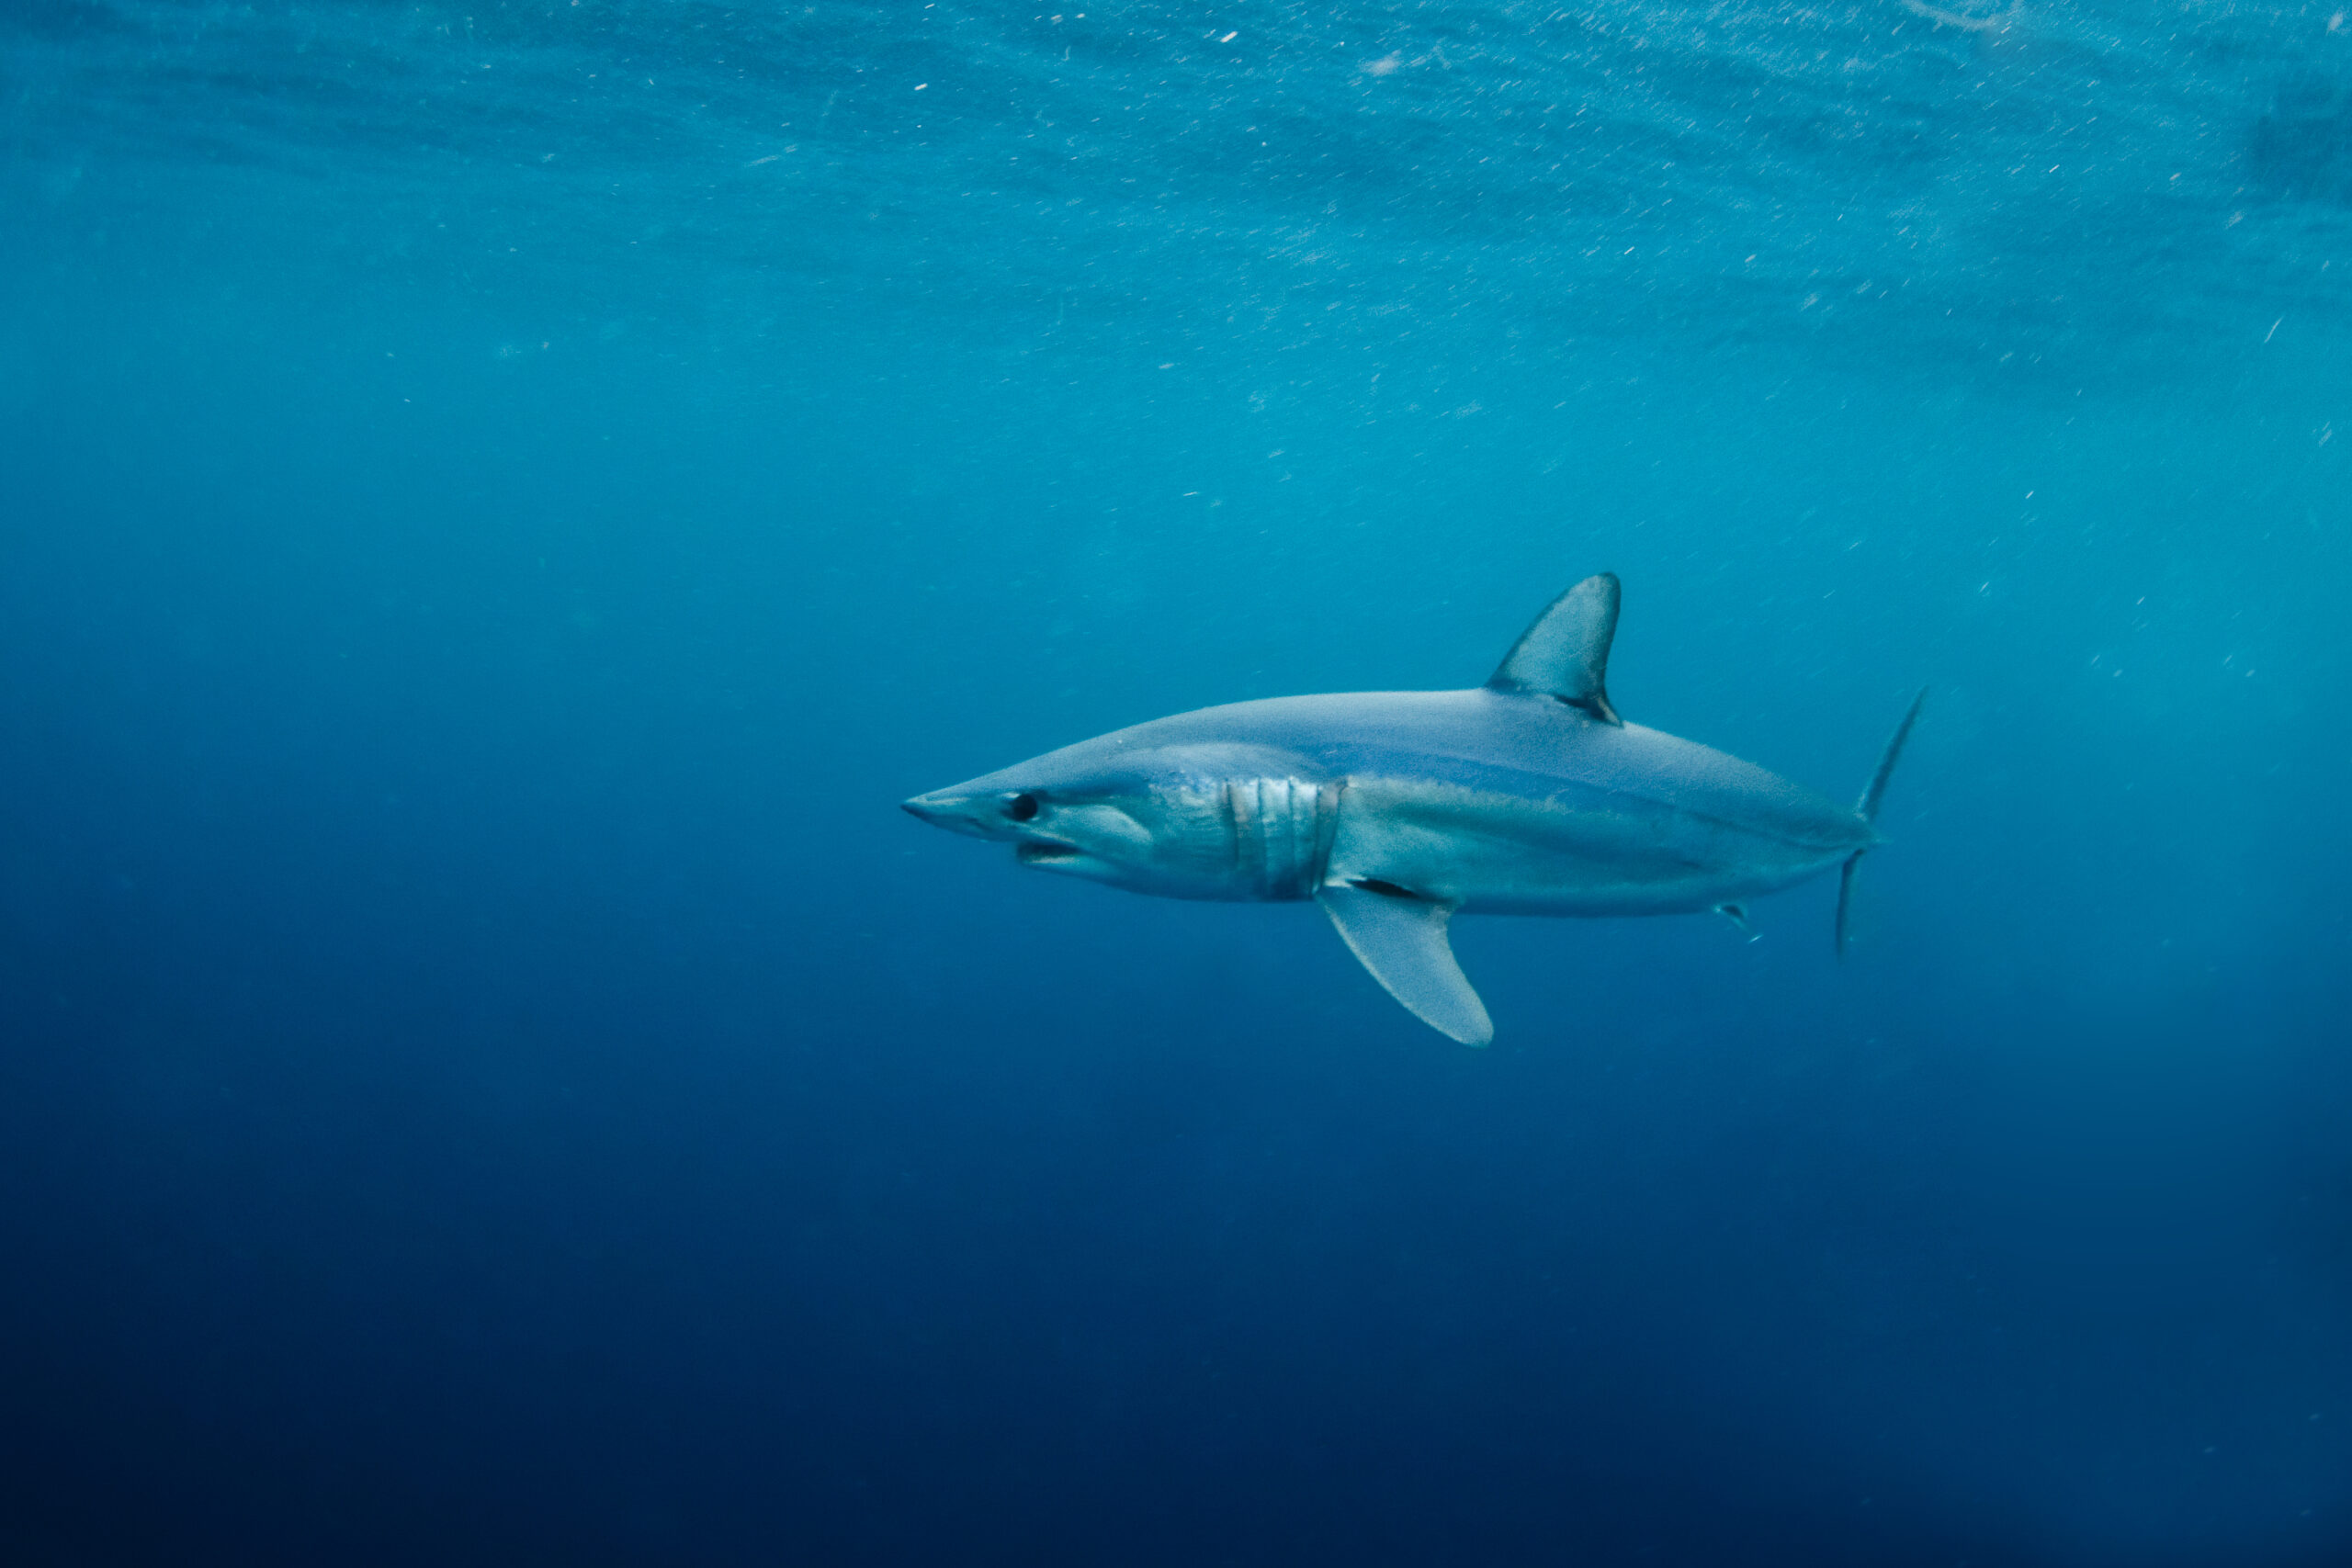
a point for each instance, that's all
(498, 501)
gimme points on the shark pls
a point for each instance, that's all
(1396, 811)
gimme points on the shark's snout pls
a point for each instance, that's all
(957, 811)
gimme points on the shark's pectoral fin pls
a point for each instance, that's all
(1400, 937)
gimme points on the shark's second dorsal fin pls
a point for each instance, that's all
(1564, 654)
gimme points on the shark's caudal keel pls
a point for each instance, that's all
(1396, 811)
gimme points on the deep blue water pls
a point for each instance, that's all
(499, 500)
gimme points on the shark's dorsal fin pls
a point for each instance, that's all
(1565, 655)
(1400, 937)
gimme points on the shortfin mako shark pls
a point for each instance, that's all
(1397, 810)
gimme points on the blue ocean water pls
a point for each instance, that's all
(498, 501)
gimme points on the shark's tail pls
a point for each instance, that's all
(1868, 808)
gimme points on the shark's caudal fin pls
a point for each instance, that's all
(1868, 808)
(1565, 655)
(1400, 937)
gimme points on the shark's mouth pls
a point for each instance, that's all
(1039, 852)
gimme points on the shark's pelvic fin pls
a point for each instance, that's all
(1867, 807)
(1400, 937)
(1564, 654)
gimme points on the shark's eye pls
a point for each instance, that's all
(1021, 806)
